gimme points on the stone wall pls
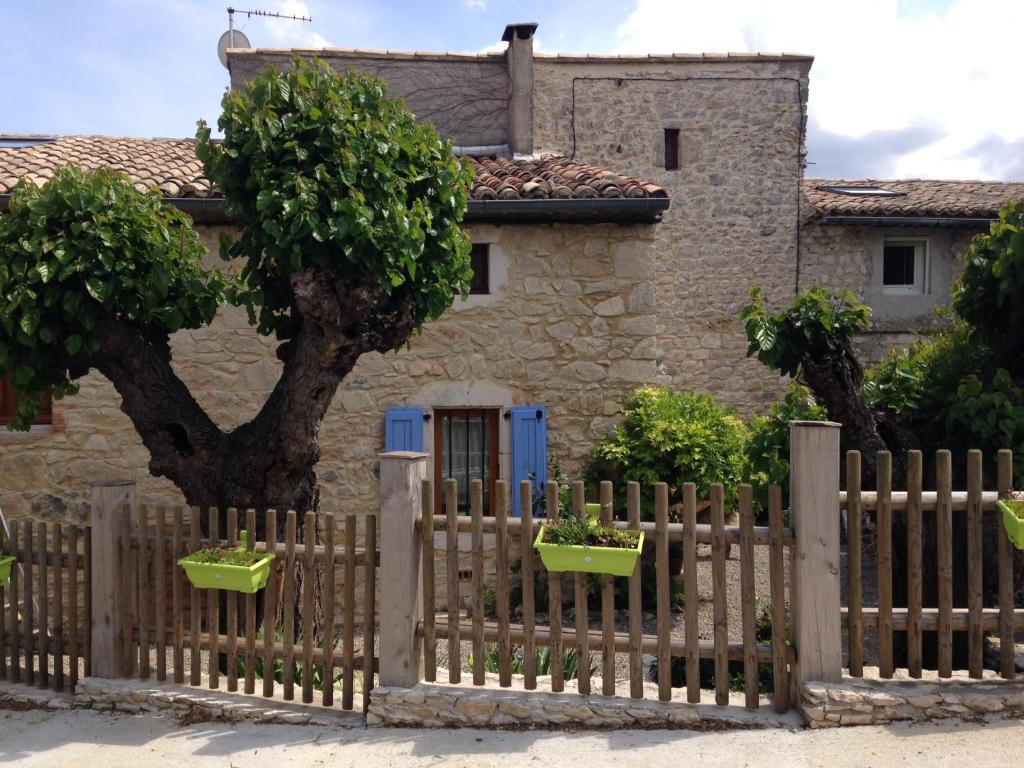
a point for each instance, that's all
(734, 213)
(570, 325)
(873, 701)
(847, 256)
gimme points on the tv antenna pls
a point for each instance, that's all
(234, 38)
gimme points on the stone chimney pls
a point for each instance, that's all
(520, 86)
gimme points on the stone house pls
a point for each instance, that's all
(899, 245)
(622, 208)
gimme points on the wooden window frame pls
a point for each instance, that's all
(921, 267)
(9, 405)
(493, 417)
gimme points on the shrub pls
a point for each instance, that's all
(767, 449)
(672, 437)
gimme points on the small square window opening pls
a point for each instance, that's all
(671, 149)
(480, 259)
(905, 267)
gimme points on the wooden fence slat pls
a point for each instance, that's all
(250, 611)
(348, 641)
(748, 597)
(721, 616)
(776, 577)
(429, 606)
(663, 585)
(915, 576)
(5, 545)
(177, 608)
(607, 603)
(58, 608)
(690, 591)
(451, 489)
(87, 601)
(476, 504)
(232, 609)
(27, 612)
(72, 608)
(974, 534)
(160, 587)
(308, 586)
(636, 669)
(884, 519)
(144, 592)
(502, 591)
(854, 589)
(527, 572)
(580, 595)
(555, 599)
(13, 615)
(270, 607)
(327, 687)
(288, 607)
(213, 608)
(944, 523)
(195, 658)
(1007, 663)
(43, 596)
(369, 607)
(129, 584)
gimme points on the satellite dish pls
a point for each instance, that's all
(230, 39)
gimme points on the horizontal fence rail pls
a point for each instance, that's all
(914, 622)
(594, 643)
(46, 616)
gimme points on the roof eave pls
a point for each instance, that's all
(626, 210)
(909, 221)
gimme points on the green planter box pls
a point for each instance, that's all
(237, 578)
(617, 561)
(1014, 525)
(6, 563)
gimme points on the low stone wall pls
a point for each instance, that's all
(873, 701)
(442, 705)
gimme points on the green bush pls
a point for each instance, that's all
(672, 437)
(767, 449)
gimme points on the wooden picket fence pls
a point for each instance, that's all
(168, 625)
(945, 618)
(46, 616)
(514, 537)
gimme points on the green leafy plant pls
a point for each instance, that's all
(571, 531)
(259, 666)
(79, 253)
(671, 437)
(570, 661)
(227, 556)
(767, 450)
(781, 340)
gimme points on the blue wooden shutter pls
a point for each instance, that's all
(403, 429)
(529, 452)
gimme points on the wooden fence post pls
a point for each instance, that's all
(401, 476)
(108, 597)
(814, 505)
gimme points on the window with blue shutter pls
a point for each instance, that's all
(529, 453)
(403, 429)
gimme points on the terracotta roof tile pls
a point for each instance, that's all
(171, 165)
(919, 198)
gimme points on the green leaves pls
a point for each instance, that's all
(84, 246)
(326, 171)
(782, 340)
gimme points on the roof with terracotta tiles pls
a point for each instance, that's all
(171, 165)
(915, 197)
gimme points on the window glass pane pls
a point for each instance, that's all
(480, 261)
(899, 264)
(466, 453)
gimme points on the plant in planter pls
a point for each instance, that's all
(1013, 518)
(584, 546)
(238, 569)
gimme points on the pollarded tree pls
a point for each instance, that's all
(349, 240)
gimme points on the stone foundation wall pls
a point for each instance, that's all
(873, 701)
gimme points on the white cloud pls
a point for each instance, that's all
(475, 5)
(951, 68)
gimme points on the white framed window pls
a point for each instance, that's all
(905, 266)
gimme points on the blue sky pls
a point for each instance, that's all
(899, 88)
